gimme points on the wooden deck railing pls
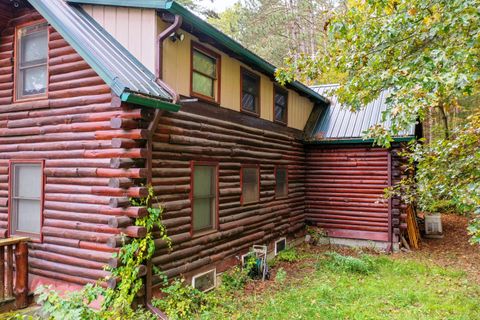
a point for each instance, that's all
(14, 273)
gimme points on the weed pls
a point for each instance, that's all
(289, 255)
(281, 275)
(183, 301)
(235, 279)
(363, 265)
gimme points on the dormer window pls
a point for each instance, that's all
(250, 92)
(205, 81)
(31, 61)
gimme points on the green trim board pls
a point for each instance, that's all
(356, 141)
(149, 4)
(120, 70)
(204, 27)
(149, 102)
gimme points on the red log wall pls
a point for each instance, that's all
(344, 187)
(210, 133)
(77, 132)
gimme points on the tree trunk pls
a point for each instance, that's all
(443, 115)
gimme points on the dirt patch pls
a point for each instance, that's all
(453, 250)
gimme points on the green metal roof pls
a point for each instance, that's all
(204, 27)
(337, 124)
(128, 77)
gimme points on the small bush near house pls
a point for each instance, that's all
(236, 278)
(289, 255)
(338, 262)
(181, 301)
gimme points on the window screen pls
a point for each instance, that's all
(204, 197)
(26, 208)
(250, 185)
(204, 74)
(32, 44)
(250, 92)
(281, 186)
(280, 107)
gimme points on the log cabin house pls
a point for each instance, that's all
(99, 98)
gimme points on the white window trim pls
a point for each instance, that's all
(278, 241)
(204, 273)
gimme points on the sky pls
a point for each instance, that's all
(218, 5)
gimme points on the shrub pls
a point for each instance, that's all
(184, 301)
(235, 278)
(363, 265)
(76, 305)
(289, 255)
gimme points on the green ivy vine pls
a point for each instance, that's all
(117, 302)
(132, 255)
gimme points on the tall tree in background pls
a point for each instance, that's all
(427, 53)
(279, 29)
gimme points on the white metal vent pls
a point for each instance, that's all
(205, 281)
(280, 245)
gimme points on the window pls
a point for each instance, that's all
(280, 245)
(204, 198)
(280, 105)
(250, 184)
(250, 84)
(205, 281)
(26, 199)
(31, 65)
(205, 73)
(281, 182)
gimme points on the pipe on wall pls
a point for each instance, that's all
(177, 23)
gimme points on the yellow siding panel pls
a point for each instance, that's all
(134, 28)
(266, 97)
(176, 62)
(230, 83)
(299, 109)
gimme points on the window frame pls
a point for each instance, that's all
(33, 236)
(216, 216)
(259, 87)
(198, 275)
(195, 46)
(277, 88)
(243, 166)
(276, 181)
(16, 67)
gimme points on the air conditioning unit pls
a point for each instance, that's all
(433, 226)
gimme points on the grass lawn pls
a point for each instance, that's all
(368, 287)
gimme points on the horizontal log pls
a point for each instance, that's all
(119, 222)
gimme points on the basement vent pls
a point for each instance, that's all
(280, 245)
(205, 281)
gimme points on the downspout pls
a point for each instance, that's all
(177, 23)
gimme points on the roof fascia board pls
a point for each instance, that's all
(131, 97)
(355, 141)
(146, 4)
